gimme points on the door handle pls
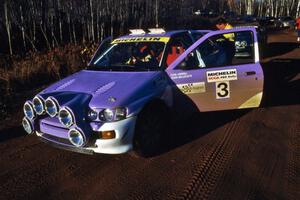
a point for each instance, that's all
(251, 73)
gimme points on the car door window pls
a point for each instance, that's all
(176, 47)
(221, 50)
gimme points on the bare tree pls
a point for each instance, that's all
(50, 23)
(8, 27)
(92, 20)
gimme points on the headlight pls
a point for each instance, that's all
(28, 110)
(92, 115)
(120, 113)
(66, 117)
(38, 105)
(76, 137)
(108, 115)
(115, 114)
(51, 107)
(27, 125)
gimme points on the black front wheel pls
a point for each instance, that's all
(151, 130)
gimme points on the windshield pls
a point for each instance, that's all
(130, 56)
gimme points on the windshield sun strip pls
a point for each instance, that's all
(141, 39)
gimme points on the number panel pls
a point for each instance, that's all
(222, 90)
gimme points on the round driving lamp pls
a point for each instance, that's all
(51, 107)
(38, 105)
(92, 115)
(29, 110)
(76, 137)
(108, 115)
(65, 117)
(27, 125)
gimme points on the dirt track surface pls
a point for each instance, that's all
(249, 154)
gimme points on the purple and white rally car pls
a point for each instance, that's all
(135, 84)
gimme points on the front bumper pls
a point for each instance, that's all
(122, 143)
(68, 148)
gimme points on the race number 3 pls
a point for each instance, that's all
(222, 90)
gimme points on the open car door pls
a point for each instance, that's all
(214, 75)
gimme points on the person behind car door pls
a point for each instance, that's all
(222, 24)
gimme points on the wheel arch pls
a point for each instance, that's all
(155, 102)
(154, 107)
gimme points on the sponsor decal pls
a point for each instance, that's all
(141, 39)
(192, 88)
(181, 75)
(252, 102)
(221, 75)
(222, 90)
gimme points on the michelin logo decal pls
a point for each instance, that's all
(221, 75)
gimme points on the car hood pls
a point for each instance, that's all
(107, 89)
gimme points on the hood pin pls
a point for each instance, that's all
(112, 99)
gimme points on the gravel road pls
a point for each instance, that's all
(245, 154)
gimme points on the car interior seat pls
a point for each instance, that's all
(175, 51)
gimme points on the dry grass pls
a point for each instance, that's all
(19, 77)
(38, 69)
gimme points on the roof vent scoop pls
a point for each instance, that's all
(137, 32)
(156, 31)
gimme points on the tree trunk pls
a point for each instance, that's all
(74, 33)
(22, 28)
(69, 27)
(60, 22)
(73, 25)
(8, 27)
(97, 25)
(298, 9)
(92, 21)
(102, 31)
(45, 36)
(156, 13)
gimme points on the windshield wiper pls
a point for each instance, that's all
(99, 68)
(123, 65)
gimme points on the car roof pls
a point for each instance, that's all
(200, 31)
(165, 34)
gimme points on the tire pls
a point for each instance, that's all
(151, 130)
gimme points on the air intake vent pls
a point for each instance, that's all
(104, 88)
